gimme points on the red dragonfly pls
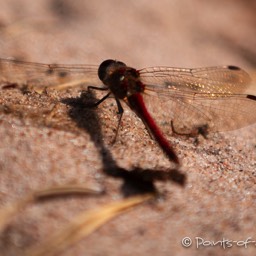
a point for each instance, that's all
(185, 99)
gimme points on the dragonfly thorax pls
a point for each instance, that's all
(122, 81)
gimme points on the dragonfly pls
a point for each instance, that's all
(184, 100)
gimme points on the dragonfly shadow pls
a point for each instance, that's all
(136, 181)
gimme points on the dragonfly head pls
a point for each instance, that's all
(107, 67)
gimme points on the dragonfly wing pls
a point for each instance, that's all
(188, 114)
(192, 98)
(38, 75)
(226, 79)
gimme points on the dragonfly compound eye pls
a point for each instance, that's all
(107, 67)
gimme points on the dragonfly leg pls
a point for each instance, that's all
(97, 88)
(120, 113)
(102, 99)
(8, 85)
(195, 132)
(119, 107)
(203, 130)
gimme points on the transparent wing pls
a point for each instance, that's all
(192, 98)
(36, 75)
(226, 80)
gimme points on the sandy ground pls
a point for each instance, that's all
(218, 200)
